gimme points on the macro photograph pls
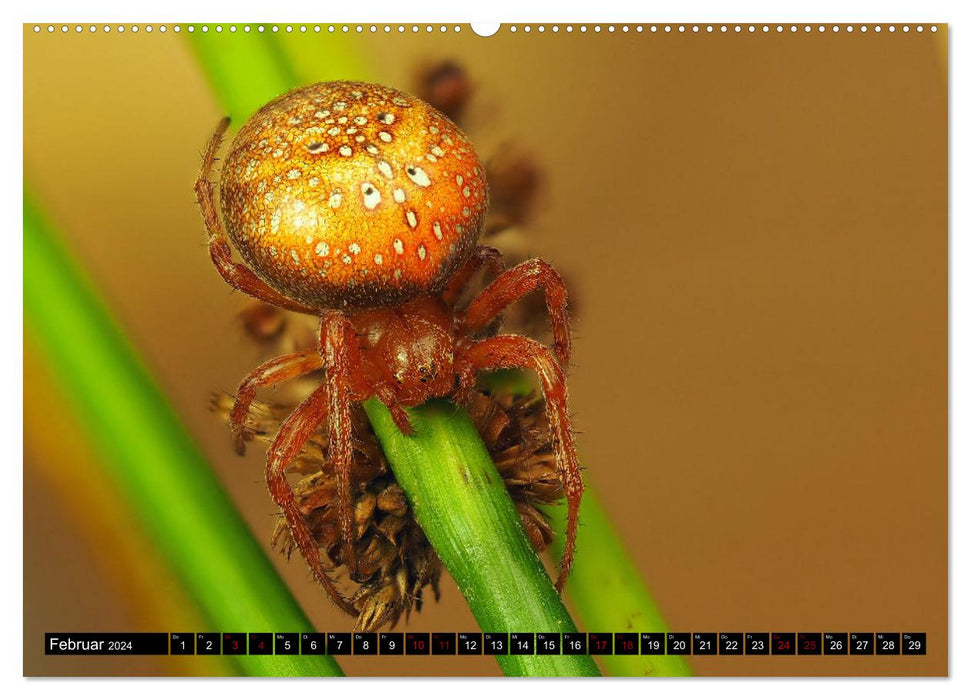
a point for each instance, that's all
(445, 350)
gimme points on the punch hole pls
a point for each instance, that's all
(485, 28)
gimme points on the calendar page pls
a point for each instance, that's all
(545, 349)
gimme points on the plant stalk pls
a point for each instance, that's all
(154, 461)
(608, 591)
(462, 504)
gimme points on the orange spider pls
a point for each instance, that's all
(362, 206)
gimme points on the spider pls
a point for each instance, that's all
(362, 206)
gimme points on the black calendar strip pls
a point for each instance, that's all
(491, 643)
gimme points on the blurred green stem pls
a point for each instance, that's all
(156, 464)
(608, 592)
(463, 506)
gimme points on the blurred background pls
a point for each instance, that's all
(754, 228)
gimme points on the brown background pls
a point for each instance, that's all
(755, 227)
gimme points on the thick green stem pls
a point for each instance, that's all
(151, 457)
(462, 504)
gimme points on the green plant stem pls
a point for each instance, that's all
(465, 510)
(153, 460)
(245, 69)
(608, 592)
(606, 589)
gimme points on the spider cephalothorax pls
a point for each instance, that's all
(362, 206)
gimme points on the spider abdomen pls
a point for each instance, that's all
(352, 195)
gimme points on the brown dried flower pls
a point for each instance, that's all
(395, 560)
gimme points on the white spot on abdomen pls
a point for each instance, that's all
(418, 176)
(372, 197)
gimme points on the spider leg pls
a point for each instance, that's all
(512, 285)
(386, 396)
(482, 256)
(236, 274)
(294, 432)
(270, 373)
(345, 382)
(516, 351)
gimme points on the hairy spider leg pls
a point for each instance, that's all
(236, 274)
(295, 431)
(520, 352)
(482, 256)
(275, 371)
(345, 382)
(512, 285)
(386, 395)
